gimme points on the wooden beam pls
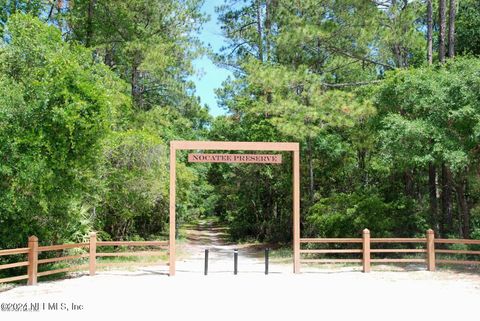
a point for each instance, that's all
(132, 243)
(398, 251)
(22, 250)
(213, 145)
(139, 253)
(63, 258)
(398, 260)
(330, 240)
(330, 251)
(457, 252)
(331, 261)
(397, 240)
(430, 250)
(92, 262)
(296, 210)
(32, 260)
(173, 162)
(14, 278)
(457, 241)
(12, 265)
(366, 250)
(61, 247)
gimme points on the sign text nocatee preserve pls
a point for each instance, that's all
(235, 158)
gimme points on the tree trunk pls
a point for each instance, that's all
(310, 170)
(432, 188)
(429, 32)
(441, 33)
(409, 188)
(89, 31)
(259, 30)
(361, 155)
(109, 57)
(446, 197)
(451, 29)
(136, 90)
(463, 210)
(397, 51)
(268, 26)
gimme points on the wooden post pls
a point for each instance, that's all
(171, 222)
(32, 260)
(93, 253)
(430, 250)
(296, 211)
(366, 250)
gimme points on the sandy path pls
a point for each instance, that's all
(214, 238)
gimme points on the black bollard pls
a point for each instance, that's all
(235, 262)
(267, 251)
(205, 271)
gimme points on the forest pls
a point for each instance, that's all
(382, 95)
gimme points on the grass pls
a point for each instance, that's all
(281, 254)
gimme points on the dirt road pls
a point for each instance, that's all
(207, 235)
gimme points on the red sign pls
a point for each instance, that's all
(235, 158)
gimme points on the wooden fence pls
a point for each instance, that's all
(429, 248)
(366, 255)
(32, 262)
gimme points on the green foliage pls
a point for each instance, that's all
(467, 27)
(9, 8)
(297, 104)
(437, 121)
(136, 194)
(346, 215)
(54, 113)
(148, 43)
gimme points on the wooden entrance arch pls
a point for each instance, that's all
(240, 146)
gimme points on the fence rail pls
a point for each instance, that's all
(365, 253)
(32, 262)
(14, 251)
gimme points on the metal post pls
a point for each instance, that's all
(205, 271)
(267, 251)
(235, 262)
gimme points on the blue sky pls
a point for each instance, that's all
(211, 76)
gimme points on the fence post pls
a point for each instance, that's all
(93, 253)
(366, 250)
(430, 250)
(32, 260)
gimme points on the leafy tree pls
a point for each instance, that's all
(56, 108)
(468, 27)
(436, 122)
(149, 43)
